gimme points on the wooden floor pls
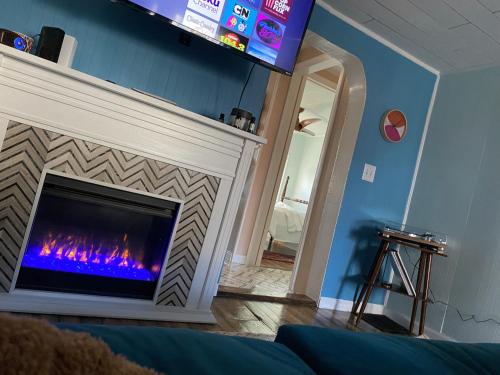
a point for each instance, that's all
(245, 317)
(266, 317)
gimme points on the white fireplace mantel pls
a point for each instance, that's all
(41, 94)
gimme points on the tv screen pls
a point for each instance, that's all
(268, 32)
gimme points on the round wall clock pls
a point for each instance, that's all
(394, 126)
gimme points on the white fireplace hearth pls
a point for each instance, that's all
(61, 130)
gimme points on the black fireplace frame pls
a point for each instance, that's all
(95, 283)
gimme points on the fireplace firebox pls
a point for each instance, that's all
(93, 239)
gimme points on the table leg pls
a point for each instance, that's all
(384, 246)
(365, 284)
(423, 312)
(418, 289)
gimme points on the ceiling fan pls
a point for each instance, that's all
(301, 125)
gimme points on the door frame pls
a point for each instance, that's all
(302, 74)
(338, 150)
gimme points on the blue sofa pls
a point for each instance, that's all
(296, 350)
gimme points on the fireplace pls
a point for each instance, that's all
(89, 238)
(89, 130)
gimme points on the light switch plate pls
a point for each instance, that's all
(369, 173)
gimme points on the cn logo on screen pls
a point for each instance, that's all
(239, 17)
(210, 8)
(242, 11)
(279, 8)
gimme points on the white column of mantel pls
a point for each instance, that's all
(217, 261)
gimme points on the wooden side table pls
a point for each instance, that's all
(427, 248)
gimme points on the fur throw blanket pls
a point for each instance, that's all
(32, 346)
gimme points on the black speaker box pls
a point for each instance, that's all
(50, 43)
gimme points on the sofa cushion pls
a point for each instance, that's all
(180, 351)
(332, 351)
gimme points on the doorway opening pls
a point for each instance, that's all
(294, 267)
(288, 216)
(313, 106)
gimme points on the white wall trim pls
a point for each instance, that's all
(239, 259)
(376, 36)
(345, 305)
(421, 148)
(417, 163)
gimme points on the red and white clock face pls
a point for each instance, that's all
(394, 126)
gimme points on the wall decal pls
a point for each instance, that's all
(394, 126)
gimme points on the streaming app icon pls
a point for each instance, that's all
(232, 39)
(253, 3)
(210, 8)
(268, 31)
(278, 8)
(239, 17)
(200, 24)
(262, 52)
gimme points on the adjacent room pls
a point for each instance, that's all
(273, 265)
(249, 186)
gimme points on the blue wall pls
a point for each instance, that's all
(392, 82)
(458, 193)
(135, 50)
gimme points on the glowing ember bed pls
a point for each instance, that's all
(93, 239)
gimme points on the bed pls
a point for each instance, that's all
(287, 222)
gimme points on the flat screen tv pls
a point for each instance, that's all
(268, 32)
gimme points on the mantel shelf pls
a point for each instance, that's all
(122, 91)
(67, 122)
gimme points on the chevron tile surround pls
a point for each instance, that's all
(28, 150)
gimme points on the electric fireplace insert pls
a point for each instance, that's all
(93, 239)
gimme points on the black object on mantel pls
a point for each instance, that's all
(50, 43)
(16, 40)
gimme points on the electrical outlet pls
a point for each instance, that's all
(369, 173)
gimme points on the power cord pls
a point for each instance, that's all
(246, 84)
(434, 301)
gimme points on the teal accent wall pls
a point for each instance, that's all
(458, 193)
(135, 50)
(392, 82)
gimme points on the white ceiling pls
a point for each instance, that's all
(448, 35)
(317, 101)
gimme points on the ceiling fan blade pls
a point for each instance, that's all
(308, 122)
(309, 132)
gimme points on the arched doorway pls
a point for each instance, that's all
(326, 197)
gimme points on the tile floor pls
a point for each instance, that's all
(266, 281)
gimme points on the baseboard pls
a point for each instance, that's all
(405, 322)
(239, 259)
(345, 305)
